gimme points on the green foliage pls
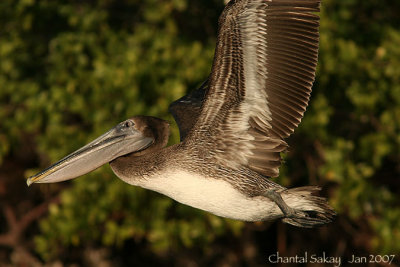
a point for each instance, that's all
(111, 212)
(85, 75)
(359, 81)
(70, 70)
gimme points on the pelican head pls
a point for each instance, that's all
(135, 135)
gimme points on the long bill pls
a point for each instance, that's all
(120, 140)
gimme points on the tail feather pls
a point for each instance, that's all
(312, 210)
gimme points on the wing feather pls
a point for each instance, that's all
(187, 109)
(260, 82)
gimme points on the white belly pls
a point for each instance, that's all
(213, 195)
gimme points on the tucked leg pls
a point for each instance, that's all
(297, 217)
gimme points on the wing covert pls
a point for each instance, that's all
(260, 83)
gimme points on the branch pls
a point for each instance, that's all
(17, 228)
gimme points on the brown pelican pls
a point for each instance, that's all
(232, 128)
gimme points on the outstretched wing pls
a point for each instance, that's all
(187, 109)
(261, 79)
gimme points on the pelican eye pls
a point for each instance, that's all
(129, 123)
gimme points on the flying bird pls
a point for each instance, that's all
(233, 128)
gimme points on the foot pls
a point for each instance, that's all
(300, 218)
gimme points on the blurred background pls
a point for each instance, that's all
(70, 70)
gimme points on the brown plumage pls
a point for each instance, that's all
(284, 37)
(187, 109)
(233, 128)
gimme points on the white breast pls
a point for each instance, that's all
(213, 195)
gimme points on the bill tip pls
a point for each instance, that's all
(29, 181)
